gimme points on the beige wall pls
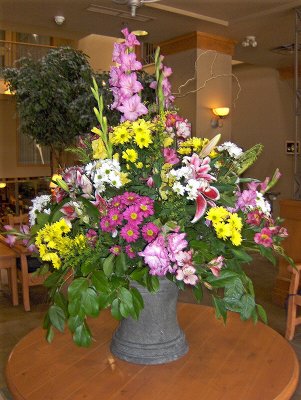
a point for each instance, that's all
(197, 106)
(99, 49)
(264, 114)
(8, 144)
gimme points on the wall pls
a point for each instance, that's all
(99, 49)
(264, 113)
(8, 144)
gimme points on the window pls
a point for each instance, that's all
(29, 153)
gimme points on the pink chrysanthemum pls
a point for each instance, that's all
(130, 198)
(129, 251)
(150, 232)
(146, 206)
(133, 214)
(130, 233)
(116, 250)
(115, 217)
(105, 225)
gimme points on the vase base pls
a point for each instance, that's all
(149, 354)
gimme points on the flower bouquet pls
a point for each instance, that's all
(149, 201)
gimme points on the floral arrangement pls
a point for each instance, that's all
(149, 201)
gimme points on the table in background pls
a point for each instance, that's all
(239, 361)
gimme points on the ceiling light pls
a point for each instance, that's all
(59, 19)
(249, 41)
(140, 33)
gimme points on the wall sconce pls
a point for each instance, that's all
(2, 185)
(220, 113)
(4, 88)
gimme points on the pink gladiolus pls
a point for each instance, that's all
(129, 85)
(128, 62)
(264, 237)
(130, 38)
(132, 108)
(254, 217)
(156, 257)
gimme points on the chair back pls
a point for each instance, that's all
(17, 220)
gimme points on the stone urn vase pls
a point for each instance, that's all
(155, 338)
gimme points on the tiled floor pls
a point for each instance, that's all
(15, 322)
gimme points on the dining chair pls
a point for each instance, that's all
(17, 220)
(294, 301)
(8, 261)
(27, 266)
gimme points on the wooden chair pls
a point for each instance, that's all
(26, 266)
(8, 261)
(17, 220)
(293, 302)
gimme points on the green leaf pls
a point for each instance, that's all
(198, 293)
(74, 322)
(126, 302)
(90, 302)
(53, 279)
(42, 219)
(92, 210)
(137, 296)
(77, 287)
(222, 280)
(220, 308)
(115, 309)
(57, 317)
(49, 334)
(61, 301)
(82, 336)
(120, 263)
(139, 275)
(267, 252)
(46, 321)
(100, 281)
(242, 255)
(103, 300)
(262, 314)
(108, 265)
(247, 306)
(124, 310)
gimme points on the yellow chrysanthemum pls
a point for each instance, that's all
(235, 221)
(121, 134)
(143, 139)
(184, 151)
(168, 141)
(139, 165)
(130, 155)
(142, 127)
(217, 214)
(124, 178)
(223, 230)
(236, 238)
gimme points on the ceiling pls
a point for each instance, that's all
(271, 21)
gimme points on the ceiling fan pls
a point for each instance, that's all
(134, 4)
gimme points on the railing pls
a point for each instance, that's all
(10, 52)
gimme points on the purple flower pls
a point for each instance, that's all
(115, 74)
(129, 251)
(133, 214)
(128, 62)
(129, 85)
(246, 198)
(116, 250)
(156, 257)
(130, 38)
(132, 108)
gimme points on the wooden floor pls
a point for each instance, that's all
(15, 323)
(236, 361)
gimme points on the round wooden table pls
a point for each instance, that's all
(239, 361)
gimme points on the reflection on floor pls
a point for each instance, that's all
(15, 322)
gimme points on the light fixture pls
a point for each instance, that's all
(249, 41)
(59, 19)
(220, 113)
(4, 88)
(2, 185)
(140, 33)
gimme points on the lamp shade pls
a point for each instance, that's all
(221, 111)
